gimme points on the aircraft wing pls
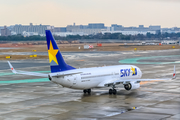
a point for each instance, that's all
(26, 73)
(108, 83)
(126, 81)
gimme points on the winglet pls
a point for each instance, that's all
(174, 73)
(12, 69)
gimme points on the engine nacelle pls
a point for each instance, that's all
(131, 86)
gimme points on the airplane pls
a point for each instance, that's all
(87, 78)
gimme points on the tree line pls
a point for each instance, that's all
(119, 36)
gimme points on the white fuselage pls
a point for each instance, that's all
(94, 77)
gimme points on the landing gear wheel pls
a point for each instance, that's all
(110, 91)
(85, 91)
(114, 91)
(89, 91)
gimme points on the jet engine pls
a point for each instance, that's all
(131, 86)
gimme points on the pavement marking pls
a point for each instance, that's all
(3, 74)
(28, 107)
(25, 81)
(135, 60)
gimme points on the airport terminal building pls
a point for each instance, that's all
(90, 29)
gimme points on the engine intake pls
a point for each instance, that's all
(131, 86)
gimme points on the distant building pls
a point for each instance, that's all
(27, 34)
(176, 29)
(96, 26)
(167, 30)
(13, 33)
(88, 31)
(10, 27)
(130, 32)
(141, 26)
(69, 28)
(91, 28)
(40, 29)
(64, 34)
(170, 30)
(59, 29)
(115, 27)
(5, 31)
(154, 27)
(140, 29)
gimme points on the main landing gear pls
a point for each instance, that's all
(87, 91)
(113, 90)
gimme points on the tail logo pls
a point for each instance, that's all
(174, 75)
(52, 55)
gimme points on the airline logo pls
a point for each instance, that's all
(127, 72)
(174, 75)
(52, 55)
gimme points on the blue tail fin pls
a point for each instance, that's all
(56, 60)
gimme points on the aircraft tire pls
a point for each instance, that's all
(114, 91)
(85, 91)
(110, 91)
(89, 91)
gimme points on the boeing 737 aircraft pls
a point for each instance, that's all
(87, 78)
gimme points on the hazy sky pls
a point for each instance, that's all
(64, 12)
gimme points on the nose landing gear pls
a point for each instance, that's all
(87, 91)
(113, 90)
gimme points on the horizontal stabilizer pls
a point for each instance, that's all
(12, 69)
(174, 73)
(26, 73)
